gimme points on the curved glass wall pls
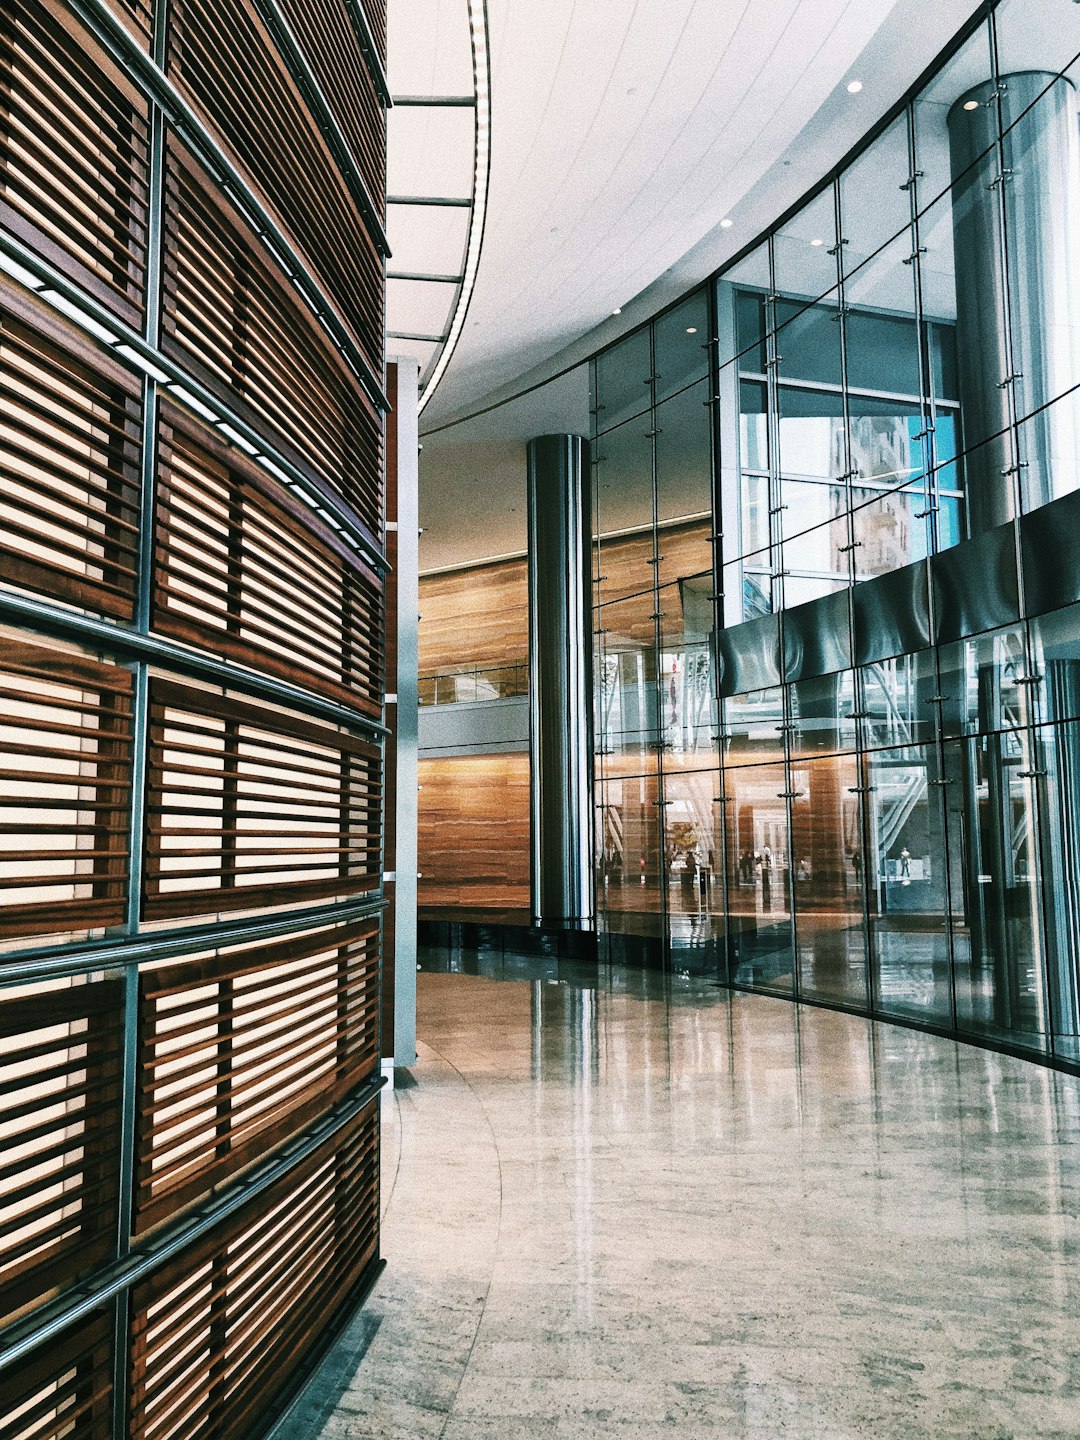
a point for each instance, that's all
(836, 634)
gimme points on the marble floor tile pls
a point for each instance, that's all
(623, 1207)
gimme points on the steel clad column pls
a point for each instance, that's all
(1033, 182)
(560, 678)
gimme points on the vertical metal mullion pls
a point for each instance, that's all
(140, 743)
(661, 796)
(776, 545)
(719, 815)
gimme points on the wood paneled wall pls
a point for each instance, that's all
(474, 832)
(477, 616)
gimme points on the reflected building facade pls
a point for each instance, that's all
(837, 606)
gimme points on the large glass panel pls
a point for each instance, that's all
(906, 884)
(812, 430)
(684, 455)
(822, 714)
(751, 274)
(625, 566)
(687, 704)
(623, 376)
(758, 880)
(804, 257)
(694, 861)
(681, 344)
(628, 720)
(754, 727)
(753, 426)
(815, 543)
(995, 891)
(635, 864)
(826, 839)
(1059, 808)
(985, 683)
(874, 198)
(897, 706)
(624, 498)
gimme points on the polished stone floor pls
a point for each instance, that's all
(630, 1208)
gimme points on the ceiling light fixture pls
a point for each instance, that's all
(691, 330)
(817, 242)
(726, 224)
(478, 32)
(971, 104)
(617, 310)
(854, 86)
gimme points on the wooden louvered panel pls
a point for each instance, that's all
(137, 15)
(242, 1050)
(248, 571)
(328, 37)
(220, 1333)
(60, 1057)
(65, 759)
(73, 153)
(266, 125)
(63, 1391)
(237, 325)
(69, 472)
(252, 806)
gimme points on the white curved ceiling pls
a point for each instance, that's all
(625, 131)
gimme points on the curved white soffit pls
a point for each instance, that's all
(481, 53)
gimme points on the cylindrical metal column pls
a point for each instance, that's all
(560, 678)
(1037, 175)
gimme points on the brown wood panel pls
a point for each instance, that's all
(240, 1050)
(251, 805)
(73, 153)
(478, 616)
(266, 125)
(473, 833)
(233, 320)
(221, 1331)
(246, 570)
(69, 472)
(63, 1390)
(65, 778)
(60, 1119)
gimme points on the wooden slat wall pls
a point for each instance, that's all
(247, 572)
(477, 616)
(250, 805)
(65, 779)
(69, 471)
(63, 1391)
(265, 124)
(473, 833)
(327, 34)
(251, 339)
(73, 153)
(220, 1332)
(241, 1050)
(60, 1053)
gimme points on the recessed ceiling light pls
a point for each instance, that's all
(817, 242)
(616, 311)
(726, 224)
(854, 86)
(971, 104)
(691, 330)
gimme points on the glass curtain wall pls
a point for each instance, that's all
(887, 817)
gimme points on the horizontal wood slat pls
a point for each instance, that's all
(239, 1051)
(73, 153)
(249, 336)
(63, 1391)
(137, 15)
(266, 125)
(220, 1332)
(65, 779)
(60, 1053)
(247, 571)
(251, 806)
(328, 37)
(69, 473)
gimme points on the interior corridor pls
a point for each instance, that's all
(630, 1207)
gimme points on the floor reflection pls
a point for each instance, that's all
(625, 1203)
